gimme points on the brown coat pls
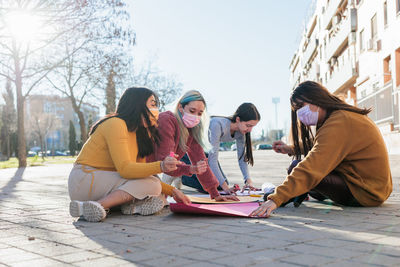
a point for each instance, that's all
(348, 143)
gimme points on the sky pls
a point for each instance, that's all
(232, 51)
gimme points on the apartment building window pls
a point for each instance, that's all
(374, 27)
(362, 41)
(387, 71)
(385, 17)
(397, 61)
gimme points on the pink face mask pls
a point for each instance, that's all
(190, 120)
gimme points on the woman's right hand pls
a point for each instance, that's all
(265, 209)
(169, 164)
(281, 147)
(220, 198)
(199, 168)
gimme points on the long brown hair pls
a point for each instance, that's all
(316, 94)
(133, 110)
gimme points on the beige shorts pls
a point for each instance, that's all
(87, 183)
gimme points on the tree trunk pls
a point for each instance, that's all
(41, 146)
(20, 116)
(83, 126)
(8, 144)
(110, 92)
(81, 119)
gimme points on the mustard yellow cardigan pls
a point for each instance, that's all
(113, 148)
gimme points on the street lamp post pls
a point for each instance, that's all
(275, 100)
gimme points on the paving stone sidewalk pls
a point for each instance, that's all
(36, 229)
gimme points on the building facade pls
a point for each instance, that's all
(60, 111)
(352, 47)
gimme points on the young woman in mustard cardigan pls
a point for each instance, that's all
(346, 161)
(111, 169)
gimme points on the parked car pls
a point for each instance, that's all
(31, 154)
(60, 153)
(263, 146)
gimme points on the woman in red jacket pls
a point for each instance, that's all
(182, 131)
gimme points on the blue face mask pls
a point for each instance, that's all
(307, 117)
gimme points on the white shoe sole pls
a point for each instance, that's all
(93, 211)
(149, 206)
(177, 182)
(145, 207)
(128, 208)
(76, 208)
(168, 179)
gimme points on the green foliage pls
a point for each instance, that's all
(72, 139)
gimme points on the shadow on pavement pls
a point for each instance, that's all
(7, 191)
(319, 229)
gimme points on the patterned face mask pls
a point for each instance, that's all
(307, 117)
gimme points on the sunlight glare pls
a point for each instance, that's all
(23, 25)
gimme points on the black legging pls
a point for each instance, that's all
(333, 187)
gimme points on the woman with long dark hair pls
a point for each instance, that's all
(111, 169)
(346, 161)
(182, 131)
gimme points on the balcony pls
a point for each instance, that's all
(382, 104)
(339, 38)
(313, 73)
(330, 11)
(344, 72)
(311, 47)
(295, 74)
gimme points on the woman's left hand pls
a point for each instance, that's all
(180, 197)
(265, 209)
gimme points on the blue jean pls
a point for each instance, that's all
(192, 181)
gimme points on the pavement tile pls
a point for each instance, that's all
(169, 261)
(206, 264)
(107, 261)
(261, 258)
(78, 257)
(309, 260)
(378, 259)
(340, 253)
(42, 262)
(14, 255)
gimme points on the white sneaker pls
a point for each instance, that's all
(168, 179)
(76, 208)
(146, 206)
(178, 182)
(93, 211)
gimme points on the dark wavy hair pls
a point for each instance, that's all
(133, 110)
(246, 112)
(316, 94)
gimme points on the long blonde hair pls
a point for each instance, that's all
(197, 131)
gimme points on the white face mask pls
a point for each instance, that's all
(307, 117)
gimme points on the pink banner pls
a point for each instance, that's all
(237, 209)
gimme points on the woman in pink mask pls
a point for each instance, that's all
(182, 131)
(345, 160)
